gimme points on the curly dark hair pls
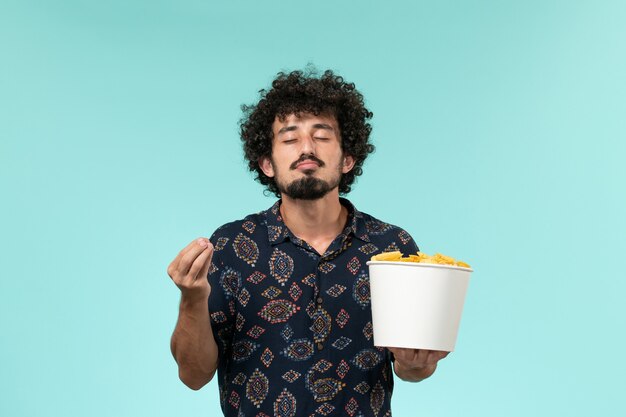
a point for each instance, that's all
(304, 92)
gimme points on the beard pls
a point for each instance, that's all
(309, 187)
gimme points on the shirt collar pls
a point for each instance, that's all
(278, 231)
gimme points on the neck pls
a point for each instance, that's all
(315, 220)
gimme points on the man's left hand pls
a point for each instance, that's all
(416, 364)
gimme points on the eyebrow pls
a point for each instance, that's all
(315, 126)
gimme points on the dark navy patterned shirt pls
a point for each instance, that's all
(293, 327)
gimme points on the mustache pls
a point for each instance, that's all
(307, 158)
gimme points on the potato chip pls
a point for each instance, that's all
(420, 257)
(388, 256)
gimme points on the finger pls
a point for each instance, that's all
(204, 272)
(440, 354)
(421, 357)
(399, 353)
(394, 350)
(394, 353)
(172, 269)
(435, 356)
(408, 357)
(201, 262)
(197, 247)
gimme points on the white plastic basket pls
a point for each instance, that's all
(417, 305)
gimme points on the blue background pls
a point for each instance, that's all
(500, 131)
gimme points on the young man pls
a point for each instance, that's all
(284, 316)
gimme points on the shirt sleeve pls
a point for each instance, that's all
(224, 282)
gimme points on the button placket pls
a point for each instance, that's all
(318, 297)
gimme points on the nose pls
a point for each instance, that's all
(308, 145)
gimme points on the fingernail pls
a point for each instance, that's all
(202, 242)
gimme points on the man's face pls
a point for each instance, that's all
(307, 161)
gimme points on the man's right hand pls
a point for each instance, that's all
(190, 268)
(193, 344)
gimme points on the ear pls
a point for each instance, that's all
(348, 163)
(266, 166)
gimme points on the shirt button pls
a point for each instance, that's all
(319, 300)
(320, 346)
